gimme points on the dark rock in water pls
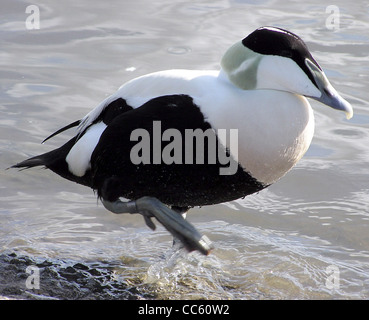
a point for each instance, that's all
(62, 279)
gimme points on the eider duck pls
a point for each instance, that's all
(175, 139)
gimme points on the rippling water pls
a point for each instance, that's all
(277, 244)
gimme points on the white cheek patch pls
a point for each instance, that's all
(280, 73)
(79, 156)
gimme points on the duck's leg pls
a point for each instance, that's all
(150, 207)
(177, 243)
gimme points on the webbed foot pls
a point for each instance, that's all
(180, 228)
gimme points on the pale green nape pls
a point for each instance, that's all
(241, 64)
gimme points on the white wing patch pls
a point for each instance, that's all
(79, 156)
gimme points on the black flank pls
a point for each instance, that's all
(183, 185)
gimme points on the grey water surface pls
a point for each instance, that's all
(306, 237)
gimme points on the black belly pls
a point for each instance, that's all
(178, 184)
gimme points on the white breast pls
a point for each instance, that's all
(275, 129)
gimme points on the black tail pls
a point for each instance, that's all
(31, 162)
(55, 161)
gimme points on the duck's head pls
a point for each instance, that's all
(276, 59)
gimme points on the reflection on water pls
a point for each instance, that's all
(277, 244)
